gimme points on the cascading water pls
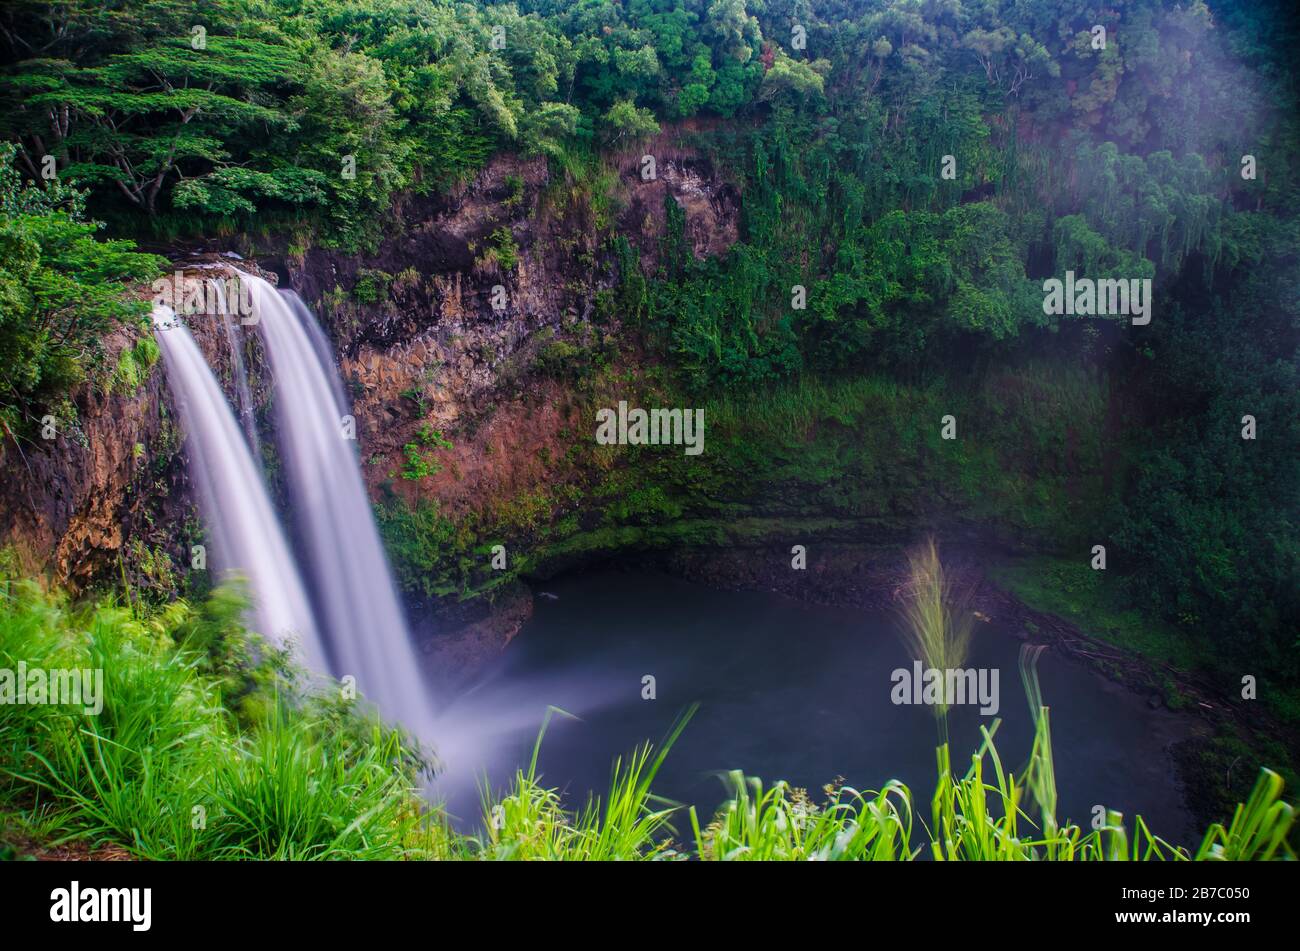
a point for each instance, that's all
(357, 627)
(241, 381)
(246, 534)
(366, 633)
(320, 342)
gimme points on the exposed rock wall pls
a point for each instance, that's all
(435, 351)
(108, 491)
(419, 344)
(69, 503)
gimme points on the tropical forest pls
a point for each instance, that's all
(672, 430)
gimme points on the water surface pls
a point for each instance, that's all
(802, 693)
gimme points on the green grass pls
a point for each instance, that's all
(197, 752)
(133, 365)
(1220, 765)
(531, 822)
(200, 753)
(830, 452)
(784, 824)
(1093, 601)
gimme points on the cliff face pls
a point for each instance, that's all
(434, 350)
(446, 329)
(484, 287)
(71, 502)
(108, 494)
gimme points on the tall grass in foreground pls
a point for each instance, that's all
(199, 754)
(530, 821)
(784, 824)
(937, 619)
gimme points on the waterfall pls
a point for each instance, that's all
(365, 631)
(342, 613)
(321, 344)
(242, 391)
(245, 532)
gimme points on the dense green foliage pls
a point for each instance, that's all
(1117, 162)
(198, 751)
(199, 754)
(322, 109)
(915, 276)
(61, 291)
(869, 293)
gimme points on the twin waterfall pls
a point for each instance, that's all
(337, 606)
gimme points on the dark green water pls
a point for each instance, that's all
(803, 693)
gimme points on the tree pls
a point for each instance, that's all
(139, 119)
(795, 77)
(626, 120)
(61, 293)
